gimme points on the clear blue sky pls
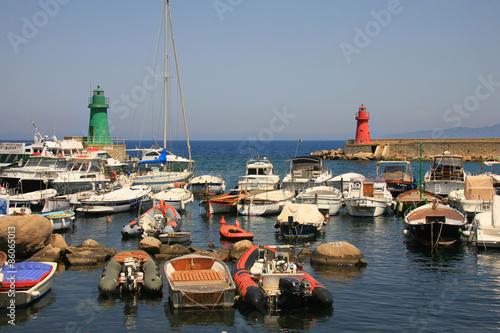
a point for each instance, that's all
(281, 69)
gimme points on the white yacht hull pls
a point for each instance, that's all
(365, 206)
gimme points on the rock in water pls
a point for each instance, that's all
(30, 232)
(151, 245)
(338, 253)
(238, 248)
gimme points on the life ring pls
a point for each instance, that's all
(112, 175)
(37, 154)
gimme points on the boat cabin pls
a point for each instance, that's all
(259, 167)
(447, 167)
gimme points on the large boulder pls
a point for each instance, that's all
(85, 257)
(30, 232)
(238, 248)
(48, 253)
(57, 240)
(79, 255)
(338, 253)
(174, 250)
(150, 245)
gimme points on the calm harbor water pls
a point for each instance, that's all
(404, 287)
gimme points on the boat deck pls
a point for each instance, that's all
(202, 275)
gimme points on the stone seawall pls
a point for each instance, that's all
(473, 149)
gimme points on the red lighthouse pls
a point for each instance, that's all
(362, 128)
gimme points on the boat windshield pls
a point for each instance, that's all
(448, 160)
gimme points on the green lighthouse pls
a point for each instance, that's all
(98, 124)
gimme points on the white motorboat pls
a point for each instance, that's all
(485, 227)
(447, 174)
(367, 196)
(342, 181)
(119, 200)
(35, 175)
(491, 169)
(33, 199)
(176, 197)
(306, 171)
(328, 199)
(207, 185)
(81, 174)
(270, 202)
(66, 201)
(5, 208)
(259, 175)
(19, 152)
(478, 191)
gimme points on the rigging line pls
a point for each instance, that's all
(180, 91)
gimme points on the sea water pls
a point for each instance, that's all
(404, 287)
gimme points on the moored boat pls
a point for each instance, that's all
(130, 271)
(224, 203)
(268, 276)
(398, 176)
(115, 201)
(176, 197)
(259, 175)
(434, 224)
(197, 281)
(414, 198)
(25, 282)
(342, 181)
(367, 196)
(265, 203)
(447, 174)
(328, 199)
(478, 191)
(234, 232)
(300, 221)
(207, 185)
(150, 223)
(34, 200)
(484, 230)
(306, 171)
(61, 220)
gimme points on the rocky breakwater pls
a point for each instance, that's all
(339, 154)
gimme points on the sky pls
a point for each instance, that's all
(251, 69)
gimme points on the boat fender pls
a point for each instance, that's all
(109, 277)
(406, 232)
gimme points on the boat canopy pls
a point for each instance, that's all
(479, 188)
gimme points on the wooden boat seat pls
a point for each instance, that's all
(120, 257)
(202, 275)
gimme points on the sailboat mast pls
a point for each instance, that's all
(180, 89)
(165, 62)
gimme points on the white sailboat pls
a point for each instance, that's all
(161, 178)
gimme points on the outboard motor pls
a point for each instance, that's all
(290, 289)
(131, 277)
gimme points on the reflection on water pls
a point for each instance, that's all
(30, 312)
(199, 317)
(295, 319)
(337, 273)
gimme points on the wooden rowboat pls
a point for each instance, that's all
(197, 281)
